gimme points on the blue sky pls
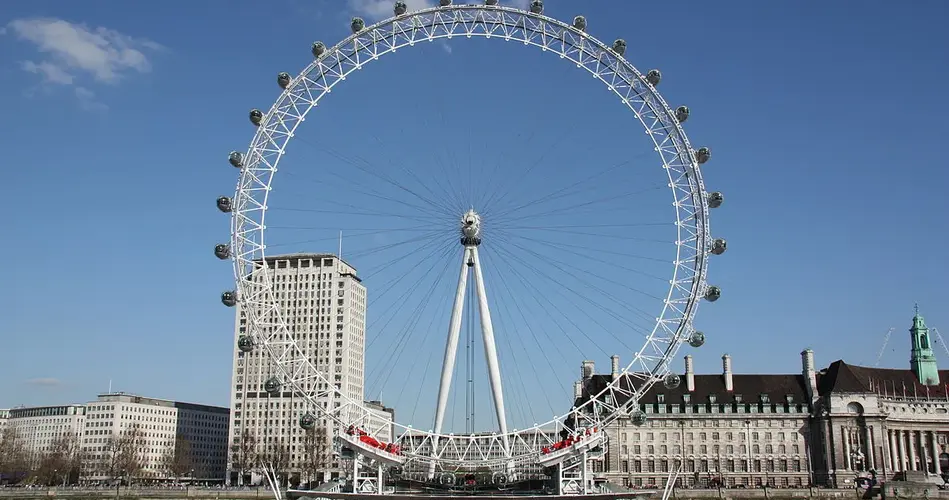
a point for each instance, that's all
(825, 122)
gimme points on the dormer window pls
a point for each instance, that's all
(712, 398)
(789, 398)
(686, 398)
(765, 398)
(738, 398)
(661, 398)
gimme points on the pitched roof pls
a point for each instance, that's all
(749, 387)
(840, 377)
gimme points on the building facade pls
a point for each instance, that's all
(153, 428)
(41, 428)
(823, 427)
(324, 303)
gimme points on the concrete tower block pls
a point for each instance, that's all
(614, 366)
(689, 373)
(727, 372)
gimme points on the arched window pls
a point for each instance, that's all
(855, 408)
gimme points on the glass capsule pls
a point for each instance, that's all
(307, 421)
(245, 344)
(444, 3)
(654, 77)
(357, 25)
(400, 8)
(272, 386)
(224, 204)
(697, 339)
(236, 159)
(619, 46)
(318, 49)
(702, 155)
(490, 2)
(256, 116)
(715, 199)
(537, 6)
(719, 245)
(713, 293)
(682, 114)
(580, 23)
(229, 298)
(222, 251)
(638, 418)
(283, 79)
(671, 381)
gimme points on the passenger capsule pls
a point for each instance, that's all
(537, 6)
(444, 3)
(490, 2)
(682, 114)
(307, 421)
(229, 298)
(357, 25)
(283, 79)
(499, 478)
(222, 251)
(697, 339)
(400, 8)
(653, 77)
(256, 116)
(702, 155)
(713, 293)
(715, 199)
(224, 204)
(580, 23)
(638, 418)
(236, 159)
(272, 386)
(671, 381)
(619, 46)
(245, 344)
(318, 49)
(719, 245)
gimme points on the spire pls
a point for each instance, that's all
(922, 359)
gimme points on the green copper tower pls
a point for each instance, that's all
(922, 360)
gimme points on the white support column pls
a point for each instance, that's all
(935, 447)
(923, 453)
(847, 458)
(871, 462)
(451, 347)
(585, 474)
(380, 489)
(490, 349)
(901, 442)
(911, 437)
(894, 454)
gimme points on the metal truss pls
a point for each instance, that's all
(267, 325)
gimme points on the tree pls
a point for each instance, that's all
(178, 460)
(122, 456)
(61, 462)
(244, 454)
(276, 456)
(316, 451)
(14, 459)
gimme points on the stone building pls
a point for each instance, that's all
(892, 421)
(823, 427)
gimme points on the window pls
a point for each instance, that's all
(738, 398)
(661, 398)
(765, 398)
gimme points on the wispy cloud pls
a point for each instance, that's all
(44, 382)
(381, 9)
(68, 53)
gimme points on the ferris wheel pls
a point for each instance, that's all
(437, 451)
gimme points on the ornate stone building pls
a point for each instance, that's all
(821, 427)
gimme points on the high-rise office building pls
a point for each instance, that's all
(323, 303)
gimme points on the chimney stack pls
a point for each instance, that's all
(614, 366)
(577, 390)
(809, 372)
(727, 369)
(689, 373)
(587, 369)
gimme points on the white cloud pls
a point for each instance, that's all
(44, 382)
(72, 52)
(381, 9)
(447, 48)
(87, 100)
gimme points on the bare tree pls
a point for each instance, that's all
(14, 459)
(178, 459)
(277, 456)
(244, 454)
(122, 456)
(60, 462)
(316, 451)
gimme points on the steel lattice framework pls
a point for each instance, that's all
(302, 93)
